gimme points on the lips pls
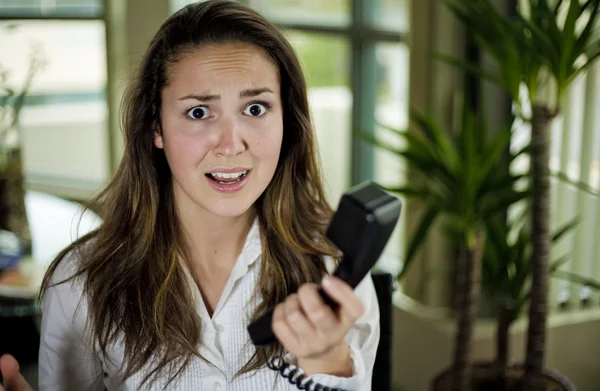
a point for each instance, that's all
(227, 170)
(228, 185)
(228, 178)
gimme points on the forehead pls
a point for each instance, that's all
(213, 65)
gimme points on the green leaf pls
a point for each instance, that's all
(423, 193)
(437, 138)
(539, 37)
(497, 232)
(474, 69)
(578, 184)
(501, 201)
(591, 59)
(555, 265)
(418, 238)
(527, 149)
(582, 42)
(557, 7)
(589, 282)
(407, 191)
(494, 152)
(568, 42)
(565, 229)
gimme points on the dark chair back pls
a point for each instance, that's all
(382, 372)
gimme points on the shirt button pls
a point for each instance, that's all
(216, 386)
(220, 328)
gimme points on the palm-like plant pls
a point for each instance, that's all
(463, 178)
(545, 45)
(506, 275)
(506, 282)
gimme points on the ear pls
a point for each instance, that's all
(157, 135)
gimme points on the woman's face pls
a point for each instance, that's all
(222, 127)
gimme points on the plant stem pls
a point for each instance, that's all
(467, 289)
(504, 319)
(536, 333)
(502, 324)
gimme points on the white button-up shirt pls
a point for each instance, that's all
(68, 362)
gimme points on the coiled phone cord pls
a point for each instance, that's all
(296, 377)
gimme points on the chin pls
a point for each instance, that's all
(230, 207)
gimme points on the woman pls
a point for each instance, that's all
(215, 215)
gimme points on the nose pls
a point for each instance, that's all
(230, 141)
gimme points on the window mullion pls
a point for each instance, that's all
(363, 70)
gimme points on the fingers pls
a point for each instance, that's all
(282, 330)
(351, 307)
(307, 327)
(296, 318)
(13, 380)
(319, 314)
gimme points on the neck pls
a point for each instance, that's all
(214, 241)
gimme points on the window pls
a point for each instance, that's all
(17, 9)
(326, 62)
(63, 124)
(356, 62)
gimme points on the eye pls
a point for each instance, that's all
(198, 112)
(256, 109)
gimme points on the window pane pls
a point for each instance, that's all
(51, 8)
(391, 110)
(319, 12)
(393, 15)
(63, 123)
(326, 62)
(176, 5)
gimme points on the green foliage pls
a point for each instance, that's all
(532, 45)
(463, 177)
(506, 268)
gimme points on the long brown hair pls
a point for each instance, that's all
(130, 266)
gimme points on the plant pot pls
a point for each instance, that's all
(485, 378)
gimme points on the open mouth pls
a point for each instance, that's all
(228, 179)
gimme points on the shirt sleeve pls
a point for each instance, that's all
(66, 359)
(363, 340)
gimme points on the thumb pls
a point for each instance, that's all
(13, 380)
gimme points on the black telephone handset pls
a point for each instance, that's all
(360, 229)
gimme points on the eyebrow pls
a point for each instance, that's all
(249, 93)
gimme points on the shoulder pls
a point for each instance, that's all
(65, 269)
(63, 294)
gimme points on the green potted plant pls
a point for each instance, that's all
(13, 217)
(506, 283)
(545, 46)
(464, 181)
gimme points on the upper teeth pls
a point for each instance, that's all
(228, 175)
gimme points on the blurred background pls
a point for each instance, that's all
(355, 57)
(367, 62)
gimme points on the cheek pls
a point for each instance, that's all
(183, 152)
(268, 147)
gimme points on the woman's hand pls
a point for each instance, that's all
(315, 334)
(13, 380)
